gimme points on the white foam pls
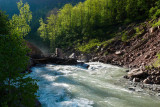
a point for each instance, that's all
(74, 86)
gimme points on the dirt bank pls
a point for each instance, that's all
(136, 53)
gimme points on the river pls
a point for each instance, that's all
(75, 86)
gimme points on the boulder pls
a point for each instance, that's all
(147, 56)
(127, 70)
(132, 88)
(147, 81)
(158, 79)
(153, 29)
(135, 73)
(84, 57)
(59, 53)
(83, 65)
(118, 52)
(73, 56)
(35, 52)
(136, 80)
(130, 73)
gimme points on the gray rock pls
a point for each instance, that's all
(153, 29)
(136, 80)
(134, 72)
(132, 88)
(84, 58)
(59, 53)
(118, 52)
(73, 56)
(147, 56)
(158, 94)
(146, 81)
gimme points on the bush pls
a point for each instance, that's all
(91, 46)
(124, 37)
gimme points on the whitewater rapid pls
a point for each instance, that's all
(75, 86)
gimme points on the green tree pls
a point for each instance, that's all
(17, 89)
(20, 23)
(95, 18)
(4, 25)
(14, 87)
(42, 29)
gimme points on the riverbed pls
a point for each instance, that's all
(75, 86)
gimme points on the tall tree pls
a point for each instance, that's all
(16, 89)
(20, 23)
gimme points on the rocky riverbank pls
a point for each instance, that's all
(136, 53)
(38, 57)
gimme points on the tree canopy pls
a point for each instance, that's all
(90, 19)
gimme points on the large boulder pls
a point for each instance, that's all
(35, 52)
(84, 57)
(119, 52)
(135, 73)
(59, 53)
(73, 56)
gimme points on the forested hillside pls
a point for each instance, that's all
(39, 8)
(94, 19)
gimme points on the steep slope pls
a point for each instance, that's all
(139, 53)
(140, 50)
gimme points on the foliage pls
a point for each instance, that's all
(138, 30)
(154, 11)
(156, 63)
(124, 37)
(91, 19)
(106, 43)
(20, 23)
(3, 23)
(91, 46)
(156, 24)
(17, 89)
(14, 88)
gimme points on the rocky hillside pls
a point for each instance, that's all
(138, 51)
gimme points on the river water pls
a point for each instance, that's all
(75, 86)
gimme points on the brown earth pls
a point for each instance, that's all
(138, 52)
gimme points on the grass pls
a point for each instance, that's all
(124, 37)
(157, 61)
(91, 46)
(138, 31)
(156, 24)
(106, 43)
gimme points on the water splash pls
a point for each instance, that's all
(73, 86)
